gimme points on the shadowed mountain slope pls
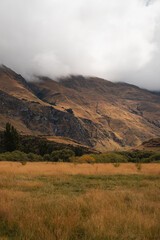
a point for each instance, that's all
(150, 145)
(120, 114)
(93, 111)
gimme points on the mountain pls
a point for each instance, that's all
(95, 112)
(152, 144)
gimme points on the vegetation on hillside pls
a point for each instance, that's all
(66, 155)
(15, 147)
(11, 140)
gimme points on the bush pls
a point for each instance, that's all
(86, 159)
(110, 157)
(155, 157)
(15, 156)
(137, 156)
(32, 157)
(62, 155)
(47, 157)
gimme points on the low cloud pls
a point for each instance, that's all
(115, 40)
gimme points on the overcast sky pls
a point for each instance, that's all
(118, 40)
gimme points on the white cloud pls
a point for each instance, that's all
(116, 40)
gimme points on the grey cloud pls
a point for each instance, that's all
(116, 40)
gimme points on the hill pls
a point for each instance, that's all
(118, 113)
(150, 145)
(92, 111)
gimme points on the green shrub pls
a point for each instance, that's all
(17, 156)
(32, 157)
(62, 155)
(138, 156)
(47, 157)
(110, 157)
(155, 157)
(2, 157)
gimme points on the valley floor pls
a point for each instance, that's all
(64, 201)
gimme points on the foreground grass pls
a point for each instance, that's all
(70, 202)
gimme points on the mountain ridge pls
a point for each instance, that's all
(93, 111)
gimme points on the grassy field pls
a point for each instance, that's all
(64, 201)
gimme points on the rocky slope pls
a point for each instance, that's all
(149, 145)
(93, 111)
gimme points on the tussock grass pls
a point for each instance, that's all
(70, 202)
(46, 168)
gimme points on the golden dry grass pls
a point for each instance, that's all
(70, 202)
(39, 168)
(60, 139)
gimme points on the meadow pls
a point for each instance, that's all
(70, 201)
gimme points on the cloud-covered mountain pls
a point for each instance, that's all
(93, 111)
(115, 40)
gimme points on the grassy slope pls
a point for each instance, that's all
(67, 201)
(108, 115)
(150, 145)
(119, 111)
(15, 85)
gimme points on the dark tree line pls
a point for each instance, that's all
(10, 138)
